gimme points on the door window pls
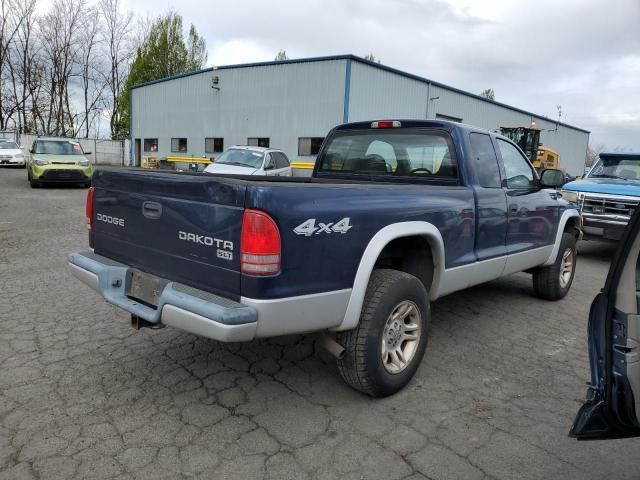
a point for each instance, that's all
(517, 169)
(269, 162)
(281, 160)
(485, 161)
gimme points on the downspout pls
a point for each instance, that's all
(131, 146)
(428, 99)
(347, 91)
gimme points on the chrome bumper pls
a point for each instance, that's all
(606, 216)
(179, 306)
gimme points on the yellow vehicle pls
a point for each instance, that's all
(546, 158)
(58, 160)
(528, 139)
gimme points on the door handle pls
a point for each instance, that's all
(513, 208)
(151, 210)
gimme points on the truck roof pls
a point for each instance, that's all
(629, 155)
(413, 123)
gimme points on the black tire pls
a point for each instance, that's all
(547, 281)
(34, 184)
(362, 366)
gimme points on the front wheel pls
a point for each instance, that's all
(384, 351)
(554, 281)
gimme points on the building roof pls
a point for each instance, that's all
(355, 58)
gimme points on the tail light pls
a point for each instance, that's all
(259, 244)
(89, 208)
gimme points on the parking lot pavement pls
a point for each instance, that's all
(82, 395)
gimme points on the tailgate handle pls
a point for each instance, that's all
(151, 210)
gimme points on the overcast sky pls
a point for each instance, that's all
(535, 54)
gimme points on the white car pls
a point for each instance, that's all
(11, 154)
(243, 160)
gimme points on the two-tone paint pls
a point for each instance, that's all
(474, 234)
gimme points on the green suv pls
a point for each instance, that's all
(55, 160)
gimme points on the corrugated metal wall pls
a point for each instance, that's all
(275, 101)
(376, 93)
(291, 100)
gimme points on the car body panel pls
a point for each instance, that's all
(612, 186)
(611, 408)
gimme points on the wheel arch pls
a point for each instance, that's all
(570, 219)
(372, 252)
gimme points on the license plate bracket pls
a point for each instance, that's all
(144, 287)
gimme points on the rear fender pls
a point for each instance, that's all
(371, 254)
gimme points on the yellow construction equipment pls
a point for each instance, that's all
(546, 158)
(528, 139)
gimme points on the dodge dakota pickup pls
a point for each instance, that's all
(397, 214)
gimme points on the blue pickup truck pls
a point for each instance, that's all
(397, 214)
(608, 195)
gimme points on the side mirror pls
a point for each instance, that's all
(270, 165)
(552, 178)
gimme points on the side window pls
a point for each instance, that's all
(517, 169)
(281, 160)
(269, 161)
(485, 161)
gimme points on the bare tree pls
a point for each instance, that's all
(9, 25)
(59, 30)
(23, 62)
(593, 151)
(90, 72)
(118, 42)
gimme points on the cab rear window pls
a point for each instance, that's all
(402, 153)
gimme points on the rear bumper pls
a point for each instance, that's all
(179, 306)
(210, 315)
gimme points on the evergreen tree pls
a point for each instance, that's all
(163, 53)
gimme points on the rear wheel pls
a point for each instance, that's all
(554, 281)
(384, 351)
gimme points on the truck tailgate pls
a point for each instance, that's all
(182, 227)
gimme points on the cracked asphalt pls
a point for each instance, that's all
(82, 395)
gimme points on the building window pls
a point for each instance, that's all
(258, 142)
(150, 144)
(213, 145)
(178, 144)
(449, 118)
(309, 145)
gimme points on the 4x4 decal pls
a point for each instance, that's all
(308, 227)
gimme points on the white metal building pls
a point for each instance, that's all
(292, 105)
